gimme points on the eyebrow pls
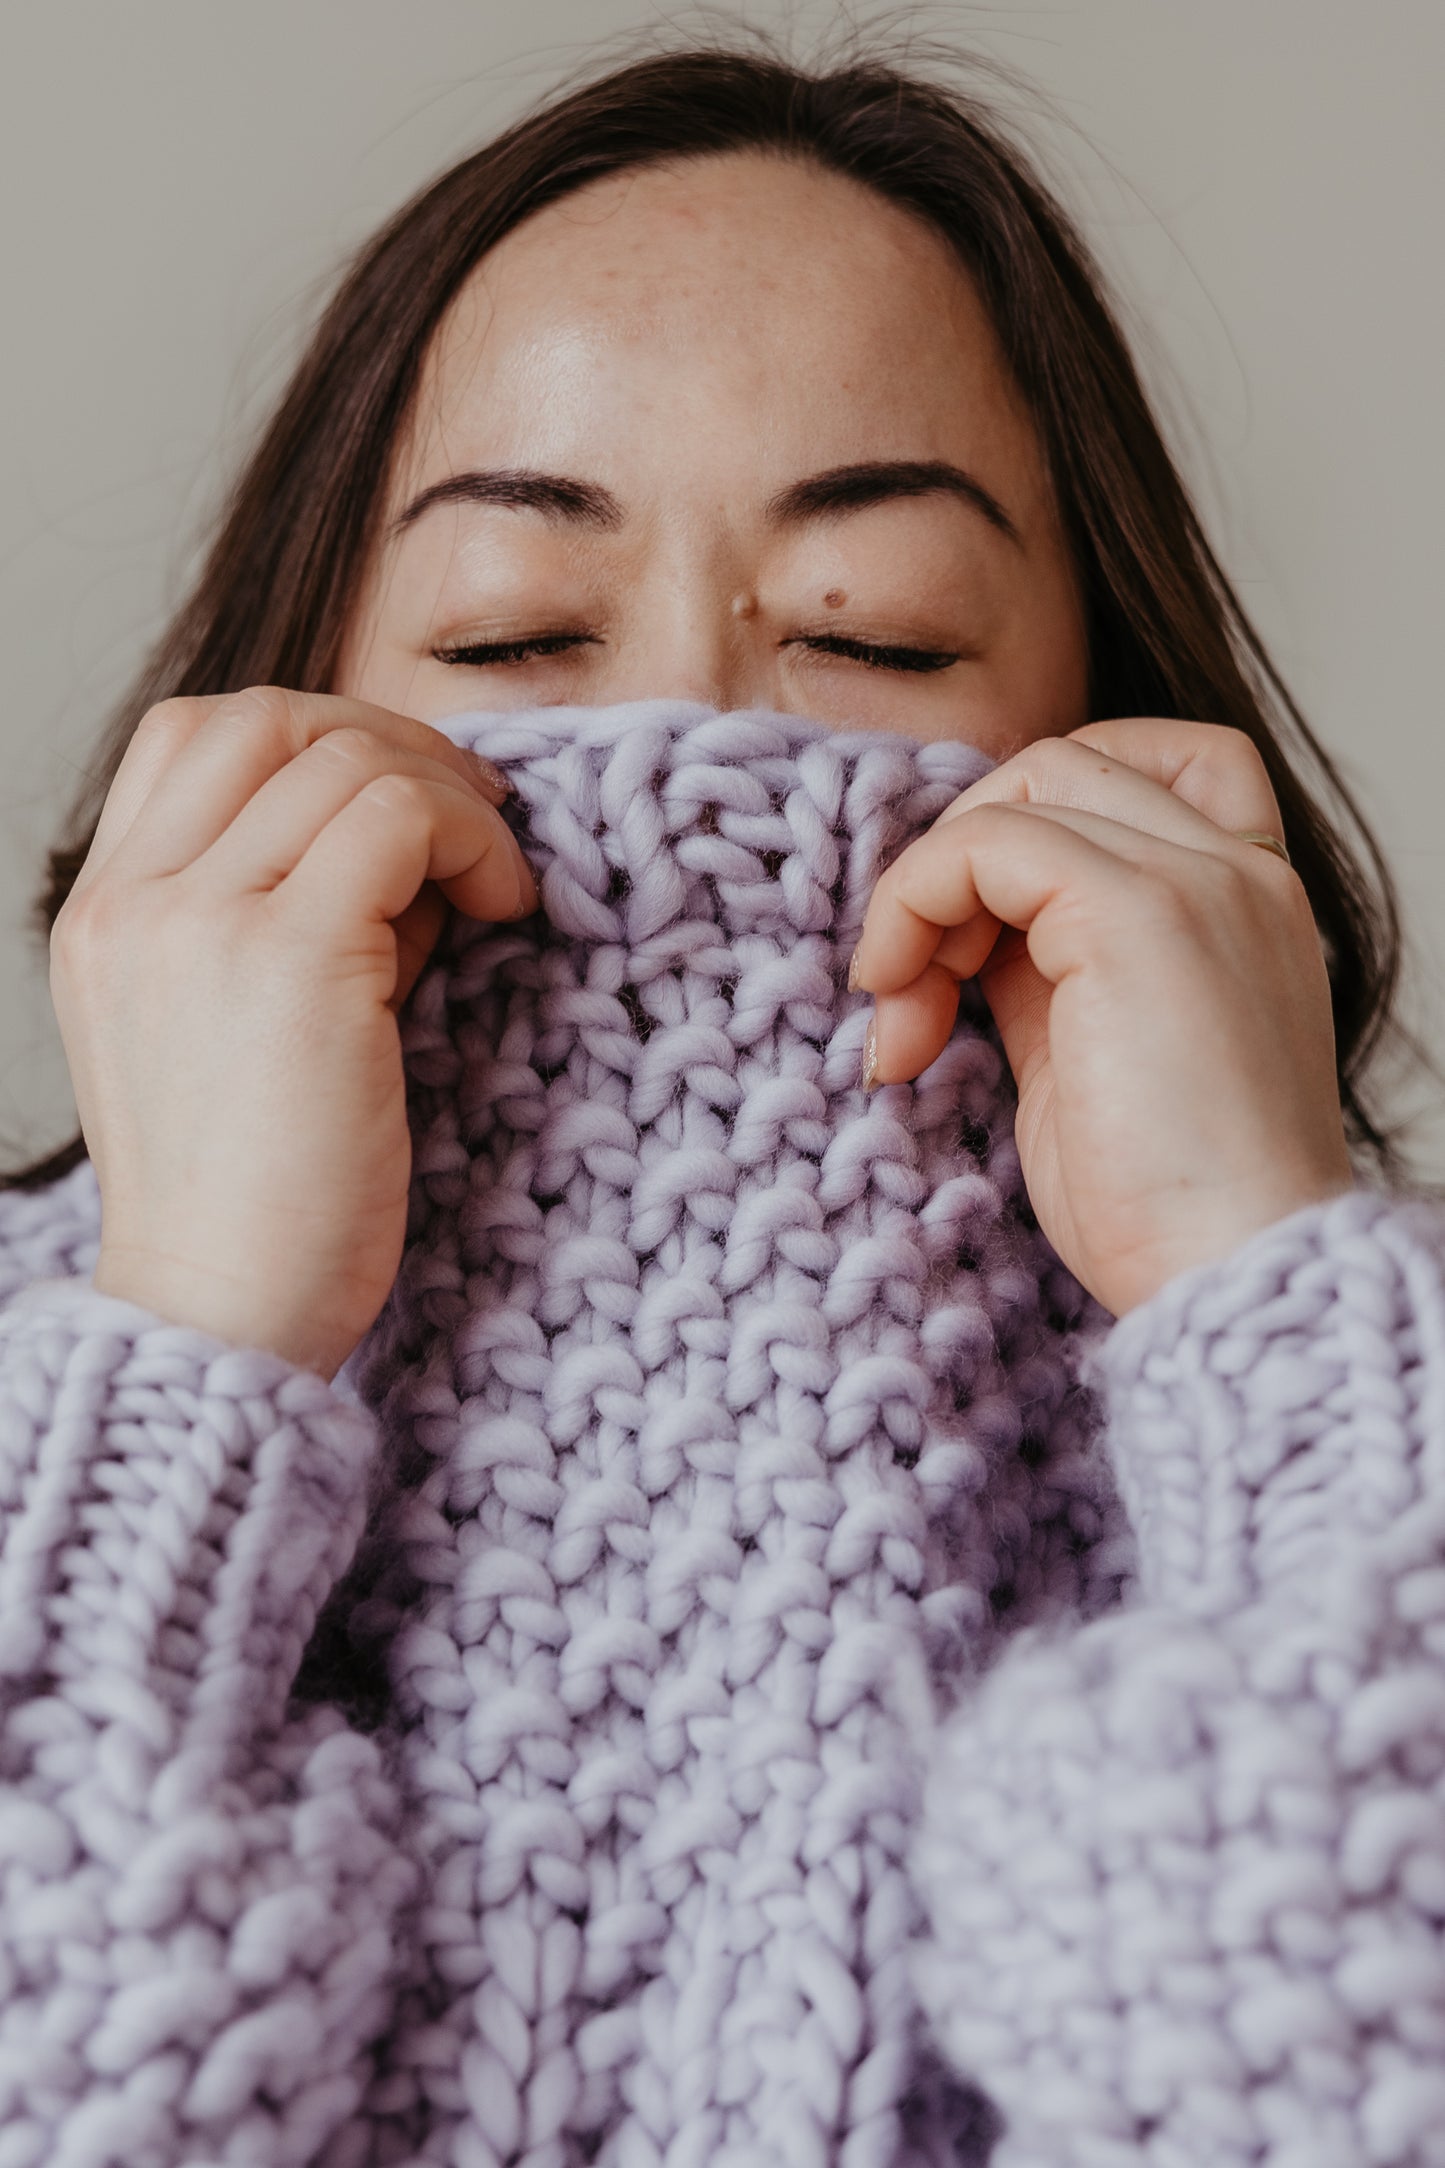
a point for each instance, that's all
(829, 495)
(558, 496)
(877, 481)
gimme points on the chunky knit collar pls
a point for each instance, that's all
(721, 1402)
(657, 812)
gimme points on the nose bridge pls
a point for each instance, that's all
(695, 627)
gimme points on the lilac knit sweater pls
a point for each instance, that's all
(748, 1664)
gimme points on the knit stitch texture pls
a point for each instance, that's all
(812, 1688)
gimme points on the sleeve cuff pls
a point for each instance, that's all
(175, 1510)
(1268, 1400)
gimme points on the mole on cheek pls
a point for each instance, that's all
(745, 605)
(835, 598)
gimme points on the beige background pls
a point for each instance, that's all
(178, 178)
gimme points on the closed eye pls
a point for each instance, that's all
(481, 654)
(874, 655)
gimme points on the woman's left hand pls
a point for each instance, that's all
(1158, 985)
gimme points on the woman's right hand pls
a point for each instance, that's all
(265, 884)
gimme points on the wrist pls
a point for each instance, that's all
(208, 1301)
(1234, 1401)
(1216, 1233)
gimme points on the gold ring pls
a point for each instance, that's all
(1268, 843)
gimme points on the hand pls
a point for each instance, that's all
(264, 887)
(1158, 985)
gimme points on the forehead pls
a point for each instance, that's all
(740, 285)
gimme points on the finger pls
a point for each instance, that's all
(369, 862)
(214, 766)
(277, 826)
(915, 1024)
(1018, 996)
(1200, 800)
(157, 740)
(1210, 766)
(416, 929)
(1216, 769)
(965, 950)
(1010, 861)
(911, 1028)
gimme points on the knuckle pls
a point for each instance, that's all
(1249, 881)
(82, 909)
(1236, 742)
(257, 708)
(173, 718)
(1233, 880)
(349, 743)
(399, 793)
(1232, 749)
(1052, 769)
(1047, 753)
(1283, 885)
(68, 929)
(1062, 767)
(1163, 903)
(86, 925)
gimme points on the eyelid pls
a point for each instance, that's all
(909, 658)
(928, 661)
(933, 642)
(557, 643)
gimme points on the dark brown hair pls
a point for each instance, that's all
(1167, 635)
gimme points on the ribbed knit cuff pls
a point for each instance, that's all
(173, 1512)
(1262, 1405)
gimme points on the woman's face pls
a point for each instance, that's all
(732, 430)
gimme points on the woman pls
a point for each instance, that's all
(772, 1716)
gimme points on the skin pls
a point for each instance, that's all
(691, 343)
(695, 339)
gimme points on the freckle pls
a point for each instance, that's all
(835, 598)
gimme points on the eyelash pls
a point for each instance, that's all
(484, 654)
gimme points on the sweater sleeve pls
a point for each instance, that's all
(1183, 1868)
(197, 1883)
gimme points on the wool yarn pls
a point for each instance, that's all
(736, 1407)
(728, 1741)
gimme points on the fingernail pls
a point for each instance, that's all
(853, 971)
(491, 775)
(870, 1055)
